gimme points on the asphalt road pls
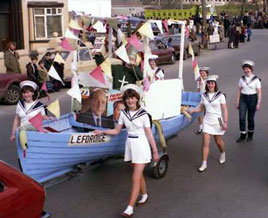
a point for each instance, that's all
(237, 189)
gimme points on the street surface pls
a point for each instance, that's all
(237, 189)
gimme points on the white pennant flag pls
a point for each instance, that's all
(75, 92)
(69, 34)
(121, 52)
(159, 25)
(53, 73)
(146, 30)
(99, 27)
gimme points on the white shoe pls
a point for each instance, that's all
(222, 158)
(203, 167)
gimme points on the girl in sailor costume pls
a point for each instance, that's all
(28, 107)
(157, 72)
(201, 86)
(214, 102)
(137, 149)
(248, 100)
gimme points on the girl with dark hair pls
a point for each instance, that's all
(214, 102)
(138, 143)
(28, 107)
(248, 100)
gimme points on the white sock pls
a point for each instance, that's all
(222, 157)
(129, 210)
(201, 126)
(143, 198)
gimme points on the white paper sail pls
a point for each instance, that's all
(75, 92)
(121, 52)
(53, 73)
(99, 27)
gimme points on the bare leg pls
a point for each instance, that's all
(136, 183)
(220, 143)
(143, 185)
(205, 148)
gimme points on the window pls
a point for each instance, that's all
(46, 22)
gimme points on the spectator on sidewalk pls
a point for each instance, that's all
(11, 59)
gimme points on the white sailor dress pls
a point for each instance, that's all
(212, 103)
(26, 111)
(137, 148)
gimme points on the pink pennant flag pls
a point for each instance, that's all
(65, 44)
(165, 24)
(44, 86)
(194, 64)
(133, 40)
(146, 84)
(36, 121)
(98, 74)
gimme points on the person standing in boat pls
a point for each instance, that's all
(201, 86)
(28, 107)
(157, 72)
(248, 100)
(214, 102)
(137, 149)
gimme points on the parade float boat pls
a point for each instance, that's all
(45, 156)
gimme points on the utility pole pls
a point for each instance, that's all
(204, 23)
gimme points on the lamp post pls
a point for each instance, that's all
(204, 23)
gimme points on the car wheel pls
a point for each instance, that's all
(173, 59)
(13, 95)
(198, 52)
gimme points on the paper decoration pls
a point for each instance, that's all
(59, 59)
(36, 121)
(112, 22)
(66, 45)
(196, 72)
(146, 84)
(146, 30)
(74, 25)
(191, 52)
(133, 40)
(44, 86)
(75, 92)
(69, 34)
(86, 20)
(159, 25)
(54, 108)
(165, 24)
(99, 27)
(98, 74)
(122, 54)
(53, 73)
(194, 64)
(106, 67)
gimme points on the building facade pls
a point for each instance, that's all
(31, 24)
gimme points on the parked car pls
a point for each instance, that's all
(20, 196)
(10, 91)
(85, 61)
(165, 54)
(175, 43)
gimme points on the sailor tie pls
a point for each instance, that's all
(98, 121)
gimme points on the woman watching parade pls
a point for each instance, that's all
(248, 100)
(137, 150)
(214, 102)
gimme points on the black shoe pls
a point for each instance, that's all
(250, 136)
(241, 138)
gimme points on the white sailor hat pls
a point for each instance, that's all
(212, 78)
(28, 83)
(204, 69)
(248, 62)
(131, 86)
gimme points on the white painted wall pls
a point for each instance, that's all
(98, 8)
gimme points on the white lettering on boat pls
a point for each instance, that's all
(87, 139)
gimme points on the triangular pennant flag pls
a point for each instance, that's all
(36, 121)
(74, 25)
(133, 40)
(44, 86)
(121, 52)
(194, 64)
(106, 67)
(146, 30)
(196, 72)
(165, 24)
(99, 27)
(53, 73)
(54, 108)
(75, 92)
(112, 22)
(98, 74)
(190, 50)
(159, 25)
(59, 59)
(66, 45)
(86, 20)
(69, 34)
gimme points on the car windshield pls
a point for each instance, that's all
(84, 55)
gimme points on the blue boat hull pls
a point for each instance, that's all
(49, 155)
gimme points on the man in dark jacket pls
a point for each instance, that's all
(11, 59)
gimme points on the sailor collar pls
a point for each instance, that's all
(215, 96)
(36, 105)
(250, 81)
(138, 114)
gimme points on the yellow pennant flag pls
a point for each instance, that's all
(106, 67)
(74, 25)
(196, 72)
(59, 59)
(191, 51)
(54, 108)
(146, 30)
